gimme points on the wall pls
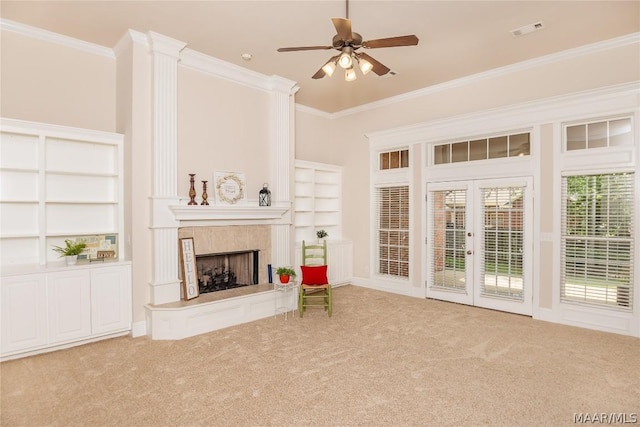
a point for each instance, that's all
(51, 83)
(346, 143)
(225, 127)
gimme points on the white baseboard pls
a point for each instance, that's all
(139, 329)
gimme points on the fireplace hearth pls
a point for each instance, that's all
(221, 271)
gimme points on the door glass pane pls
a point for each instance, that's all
(449, 219)
(503, 242)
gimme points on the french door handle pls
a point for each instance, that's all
(469, 234)
(469, 252)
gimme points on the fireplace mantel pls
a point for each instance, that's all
(229, 213)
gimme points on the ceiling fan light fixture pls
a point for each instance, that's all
(329, 68)
(350, 74)
(365, 66)
(345, 60)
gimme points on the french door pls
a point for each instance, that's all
(479, 243)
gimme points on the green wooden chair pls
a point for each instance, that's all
(315, 290)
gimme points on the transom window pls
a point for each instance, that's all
(494, 147)
(394, 159)
(599, 134)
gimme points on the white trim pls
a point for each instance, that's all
(195, 60)
(59, 39)
(139, 329)
(549, 110)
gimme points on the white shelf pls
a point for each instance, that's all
(57, 183)
(232, 212)
(318, 200)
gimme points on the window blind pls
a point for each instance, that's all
(502, 242)
(448, 213)
(392, 230)
(597, 240)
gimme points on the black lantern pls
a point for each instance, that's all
(264, 198)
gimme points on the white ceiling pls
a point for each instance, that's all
(457, 38)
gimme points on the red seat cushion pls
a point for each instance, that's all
(314, 275)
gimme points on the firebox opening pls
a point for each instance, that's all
(220, 271)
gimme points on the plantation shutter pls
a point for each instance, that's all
(597, 240)
(392, 228)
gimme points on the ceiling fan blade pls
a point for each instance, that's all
(343, 28)
(410, 40)
(293, 49)
(320, 73)
(378, 67)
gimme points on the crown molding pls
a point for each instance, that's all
(217, 67)
(51, 37)
(558, 108)
(601, 46)
(314, 111)
(130, 37)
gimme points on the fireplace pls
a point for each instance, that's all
(228, 270)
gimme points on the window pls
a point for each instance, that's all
(394, 159)
(597, 239)
(393, 231)
(602, 134)
(482, 149)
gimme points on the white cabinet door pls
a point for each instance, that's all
(68, 294)
(340, 261)
(110, 299)
(23, 302)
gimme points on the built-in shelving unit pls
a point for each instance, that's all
(56, 183)
(59, 183)
(318, 200)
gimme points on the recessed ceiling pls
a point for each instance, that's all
(457, 38)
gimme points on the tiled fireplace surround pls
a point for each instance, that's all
(212, 240)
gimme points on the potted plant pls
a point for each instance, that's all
(71, 250)
(321, 235)
(285, 273)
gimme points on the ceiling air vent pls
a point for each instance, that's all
(527, 29)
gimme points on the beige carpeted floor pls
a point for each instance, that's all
(381, 360)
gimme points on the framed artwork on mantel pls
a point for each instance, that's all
(229, 188)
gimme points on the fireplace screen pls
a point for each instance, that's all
(217, 272)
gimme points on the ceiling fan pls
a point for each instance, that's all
(347, 43)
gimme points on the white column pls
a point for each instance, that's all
(282, 161)
(165, 285)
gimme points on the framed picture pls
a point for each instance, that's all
(229, 188)
(188, 268)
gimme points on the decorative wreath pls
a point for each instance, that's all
(222, 180)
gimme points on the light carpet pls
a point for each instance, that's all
(381, 360)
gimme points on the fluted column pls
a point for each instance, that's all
(282, 142)
(165, 285)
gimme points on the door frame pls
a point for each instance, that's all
(472, 294)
